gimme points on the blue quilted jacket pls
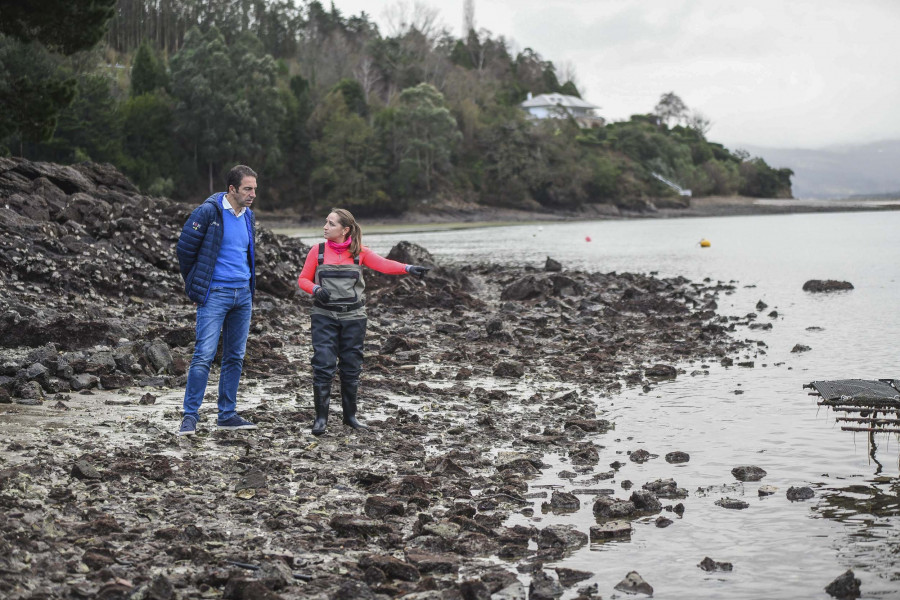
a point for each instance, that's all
(198, 247)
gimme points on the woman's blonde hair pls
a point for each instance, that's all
(346, 220)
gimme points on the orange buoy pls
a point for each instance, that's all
(704, 243)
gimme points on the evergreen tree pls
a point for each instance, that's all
(348, 166)
(63, 26)
(427, 133)
(152, 158)
(148, 73)
(33, 90)
(34, 35)
(227, 106)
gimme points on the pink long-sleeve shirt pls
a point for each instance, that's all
(366, 257)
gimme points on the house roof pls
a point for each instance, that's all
(556, 100)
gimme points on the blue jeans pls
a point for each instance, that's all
(227, 311)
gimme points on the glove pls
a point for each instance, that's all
(321, 294)
(417, 270)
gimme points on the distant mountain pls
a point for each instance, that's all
(839, 171)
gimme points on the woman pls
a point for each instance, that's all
(333, 275)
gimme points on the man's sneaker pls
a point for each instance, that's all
(235, 422)
(188, 425)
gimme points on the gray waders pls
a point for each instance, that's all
(338, 332)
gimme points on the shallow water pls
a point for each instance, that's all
(779, 549)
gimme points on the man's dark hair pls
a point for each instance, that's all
(236, 176)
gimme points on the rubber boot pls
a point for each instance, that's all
(348, 403)
(321, 400)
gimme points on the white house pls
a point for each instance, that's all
(559, 106)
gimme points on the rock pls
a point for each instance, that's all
(241, 588)
(544, 587)
(564, 501)
(392, 567)
(474, 590)
(827, 285)
(663, 522)
(800, 348)
(677, 457)
(565, 537)
(844, 586)
(378, 507)
(514, 591)
(159, 588)
(552, 265)
(732, 503)
(508, 368)
(527, 288)
(761, 306)
(29, 393)
(160, 356)
(588, 425)
(639, 456)
(84, 381)
(645, 501)
(352, 526)
(433, 563)
(353, 590)
(610, 530)
(666, 488)
(569, 577)
(799, 493)
(84, 470)
(661, 372)
(147, 399)
(766, 490)
(253, 479)
(634, 584)
(708, 564)
(748, 473)
(611, 508)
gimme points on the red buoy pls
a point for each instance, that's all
(587, 238)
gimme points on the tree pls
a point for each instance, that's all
(354, 96)
(90, 128)
(151, 155)
(227, 106)
(148, 73)
(427, 132)
(62, 26)
(348, 166)
(33, 90)
(699, 123)
(35, 36)
(670, 108)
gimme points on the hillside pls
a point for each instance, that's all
(839, 171)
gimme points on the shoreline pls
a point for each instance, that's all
(474, 216)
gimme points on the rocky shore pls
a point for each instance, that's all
(471, 377)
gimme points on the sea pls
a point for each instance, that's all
(725, 417)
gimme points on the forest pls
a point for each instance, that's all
(330, 110)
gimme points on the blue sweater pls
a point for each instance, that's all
(199, 244)
(232, 268)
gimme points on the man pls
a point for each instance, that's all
(215, 254)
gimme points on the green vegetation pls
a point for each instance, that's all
(330, 111)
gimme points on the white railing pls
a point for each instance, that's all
(681, 191)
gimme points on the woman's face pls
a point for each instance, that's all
(333, 230)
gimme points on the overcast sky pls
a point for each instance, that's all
(797, 73)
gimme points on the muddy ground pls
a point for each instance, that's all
(470, 377)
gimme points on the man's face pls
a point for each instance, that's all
(246, 192)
